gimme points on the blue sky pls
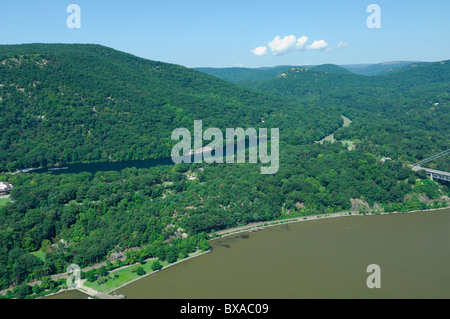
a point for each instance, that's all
(219, 33)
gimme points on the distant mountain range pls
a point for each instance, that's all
(240, 74)
(378, 68)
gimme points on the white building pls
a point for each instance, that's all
(5, 187)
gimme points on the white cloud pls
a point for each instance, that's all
(342, 45)
(318, 45)
(280, 46)
(301, 42)
(262, 50)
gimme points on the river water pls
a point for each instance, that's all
(317, 259)
(118, 166)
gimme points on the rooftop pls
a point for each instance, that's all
(5, 186)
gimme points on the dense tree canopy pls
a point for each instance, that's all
(88, 103)
(85, 103)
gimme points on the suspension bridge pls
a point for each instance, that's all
(434, 174)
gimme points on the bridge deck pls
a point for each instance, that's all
(435, 174)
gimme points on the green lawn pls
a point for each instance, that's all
(4, 201)
(125, 275)
(39, 254)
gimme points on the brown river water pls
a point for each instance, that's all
(316, 259)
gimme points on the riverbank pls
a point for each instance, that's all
(106, 290)
(165, 265)
(261, 225)
(315, 260)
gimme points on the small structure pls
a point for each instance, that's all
(5, 188)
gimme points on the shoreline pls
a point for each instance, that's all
(110, 294)
(261, 225)
(194, 255)
(252, 227)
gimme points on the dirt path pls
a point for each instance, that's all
(347, 121)
(261, 225)
(332, 139)
(56, 277)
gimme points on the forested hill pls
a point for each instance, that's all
(247, 76)
(405, 113)
(401, 114)
(301, 82)
(379, 68)
(242, 75)
(64, 103)
(330, 68)
(71, 103)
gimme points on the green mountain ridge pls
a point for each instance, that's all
(67, 103)
(378, 68)
(331, 68)
(401, 107)
(392, 112)
(64, 103)
(241, 75)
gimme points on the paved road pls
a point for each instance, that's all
(57, 276)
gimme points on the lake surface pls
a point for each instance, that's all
(118, 166)
(317, 259)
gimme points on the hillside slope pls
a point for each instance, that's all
(378, 68)
(399, 114)
(62, 103)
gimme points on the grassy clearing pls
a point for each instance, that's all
(118, 278)
(124, 275)
(39, 254)
(4, 201)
